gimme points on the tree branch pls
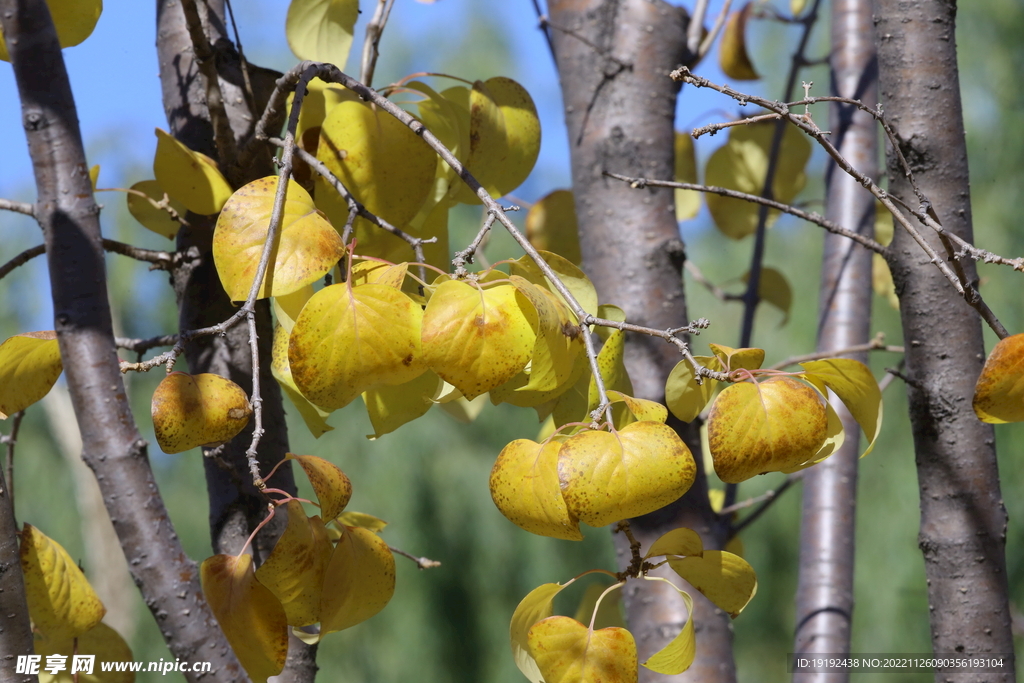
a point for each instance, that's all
(21, 259)
(16, 636)
(374, 31)
(17, 207)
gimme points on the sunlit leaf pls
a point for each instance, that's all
(732, 53)
(856, 387)
(687, 201)
(94, 176)
(197, 410)
(640, 408)
(680, 541)
(881, 281)
(773, 288)
(317, 103)
(321, 30)
(736, 359)
(252, 619)
(683, 396)
(725, 579)
(288, 306)
(551, 225)
(61, 602)
(608, 476)
(609, 612)
(574, 279)
(611, 361)
(350, 339)
(189, 177)
(764, 427)
(294, 570)
(515, 393)
(73, 19)
(333, 489)
(390, 407)
(678, 655)
(525, 488)
(307, 247)
(377, 273)
(101, 641)
(152, 218)
(314, 416)
(29, 366)
(559, 338)
(566, 651)
(531, 609)
(361, 519)
(360, 580)
(999, 393)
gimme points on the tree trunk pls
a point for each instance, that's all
(963, 520)
(112, 446)
(613, 58)
(15, 628)
(824, 600)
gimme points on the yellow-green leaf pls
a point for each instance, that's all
(321, 30)
(680, 541)
(642, 409)
(678, 655)
(687, 201)
(611, 361)
(531, 609)
(525, 488)
(73, 19)
(333, 489)
(835, 436)
(856, 387)
(61, 602)
(559, 338)
(197, 410)
(294, 571)
(999, 393)
(314, 416)
(737, 359)
(732, 53)
(566, 651)
(360, 580)
(361, 519)
(769, 426)
(773, 288)
(390, 407)
(94, 176)
(574, 279)
(307, 246)
(251, 617)
(101, 641)
(350, 339)
(797, 6)
(29, 366)
(608, 476)
(551, 225)
(189, 177)
(725, 579)
(288, 306)
(152, 218)
(683, 396)
(881, 281)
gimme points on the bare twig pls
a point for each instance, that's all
(17, 207)
(542, 25)
(765, 499)
(161, 260)
(709, 39)
(11, 440)
(697, 274)
(466, 255)
(713, 128)
(374, 31)
(21, 259)
(876, 344)
(696, 27)
(421, 562)
(142, 345)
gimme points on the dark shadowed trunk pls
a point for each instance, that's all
(963, 521)
(112, 446)
(15, 629)
(613, 59)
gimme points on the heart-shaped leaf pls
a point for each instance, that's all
(360, 580)
(152, 218)
(566, 651)
(102, 642)
(197, 410)
(999, 393)
(189, 177)
(535, 607)
(683, 396)
(321, 30)
(725, 579)
(526, 489)
(680, 541)
(29, 366)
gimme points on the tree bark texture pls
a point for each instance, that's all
(112, 446)
(236, 506)
(963, 520)
(614, 59)
(15, 628)
(824, 600)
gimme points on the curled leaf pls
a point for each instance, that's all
(725, 579)
(525, 488)
(333, 489)
(197, 410)
(566, 651)
(732, 54)
(856, 387)
(535, 607)
(683, 396)
(189, 177)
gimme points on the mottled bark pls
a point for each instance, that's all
(963, 520)
(824, 600)
(112, 446)
(614, 57)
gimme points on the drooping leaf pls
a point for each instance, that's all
(559, 338)
(390, 407)
(999, 393)
(773, 288)
(683, 396)
(251, 617)
(566, 651)
(307, 247)
(732, 53)
(350, 339)
(294, 570)
(314, 416)
(680, 541)
(640, 409)
(881, 281)
(189, 177)
(678, 655)
(332, 487)
(769, 426)
(73, 19)
(687, 201)
(856, 387)
(574, 279)
(288, 306)
(476, 338)
(551, 225)
(611, 360)
(321, 30)
(525, 488)
(361, 519)
(736, 359)
(377, 273)
(535, 607)
(197, 410)
(101, 641)
(29, 366)
(360, 580)
(609, 612)
(608, 476)
(61, 602)
(725, 579)
(835, 433)
(152, 218)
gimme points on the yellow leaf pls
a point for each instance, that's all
(678, 655)
(856, 387)
(608, 476)
(611, 361)
(317, 103)
(742, 164)
(350, 339)
(574, 279)
(307, 246)
(73, 19)
(764, 427)
(377, 273)
(732, 53)
(314, 417)
(287, 308)
(189, 177)
(152, 218)
(463, 410)
(197, 410)
(321, 30)
(680, 541)
(332, 487)
(737, 359)
(360, 580)
(835, 434)
(360, 519)
(881, 281)
(725, 579)
(884, 225)
(94, 175)
(797, 6)
(683, 396)
(251, 617)
(525, 488)
(515, 393)
(29, 366)
(559, 338)
(101, 641)
(640, 408)
(774, 289)
(451, 126)
(999, 393)
(609, 612)
(476, 338)
(390, 407)
(566, 651)
(61, 602)
(687, 201)
(551, 225)
(535, 607)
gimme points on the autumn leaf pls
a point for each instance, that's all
(680, 541)
(551, 225)
(29, 367)
(189, 177)
(732, 53)
(678, 655)
(856, 387)
(197, 410)
(525, 488)
(101, 641)
(321, 30)
(566, 651)
(687, 201)
(725, 579)
(333, 489)
(314, 416)
(683, 396)
(74, 21)
(154, 219)
(359, 582)
(535, 607)
(999, 393)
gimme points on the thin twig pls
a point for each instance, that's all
(765, 499)
(161, 204)
(161, 260)
(421, 562)
(21, 259)
(542, 25)
(142, 345)
(466, 255)
(17, 207)
(374, 31)
(876, 344)
(695, 30)
(11, 440)
(709, 39)
(713, 128)
(697, 274)
(250, 96)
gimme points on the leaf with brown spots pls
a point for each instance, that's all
(197, 410)
(999, 393)
(360, 580)
(332, 487)
(525, 488)
(559, 338)
(566, 651)
(725, 579)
